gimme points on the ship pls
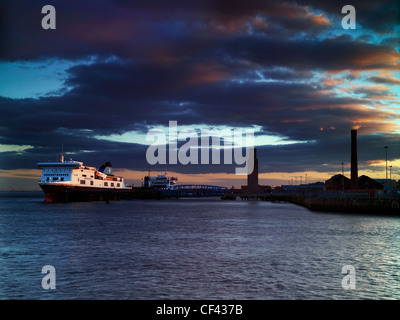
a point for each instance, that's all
(159, 181)
(63, 179)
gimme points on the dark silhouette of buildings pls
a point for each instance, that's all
(341, 183)
(365, 182)
(338, 182)
(302, 189)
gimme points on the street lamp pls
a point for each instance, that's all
(390, 170)
(386, 161)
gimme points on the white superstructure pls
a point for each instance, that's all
(76, 174)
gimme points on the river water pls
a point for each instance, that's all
(193, 249)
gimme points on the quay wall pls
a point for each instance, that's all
(350, 205)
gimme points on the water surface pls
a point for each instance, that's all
(193, 249)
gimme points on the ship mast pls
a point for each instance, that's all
(62, 152)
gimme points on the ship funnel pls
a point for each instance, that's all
(106, 168)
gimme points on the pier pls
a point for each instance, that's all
(384, 206)
(339, 204)
(363, 205)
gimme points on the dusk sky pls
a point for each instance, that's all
(114, 69)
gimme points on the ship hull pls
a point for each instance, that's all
(67, 193)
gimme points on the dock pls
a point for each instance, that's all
(364, 205)
(383, 206)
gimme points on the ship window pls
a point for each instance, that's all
(83, 181)
(112, 184)
(84, 175)
(106, 184)
(91, 183)
(62, 178)
(117, 184)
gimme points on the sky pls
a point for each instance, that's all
(112, 70)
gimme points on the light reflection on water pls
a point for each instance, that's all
(193, 249)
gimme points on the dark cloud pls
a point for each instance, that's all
(114, 98)
(174, 28)
(387, 80)
(349, 54)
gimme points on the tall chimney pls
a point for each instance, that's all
(354, 162)
(252, 178)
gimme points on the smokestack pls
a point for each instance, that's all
(354, 162)
(252, 178)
